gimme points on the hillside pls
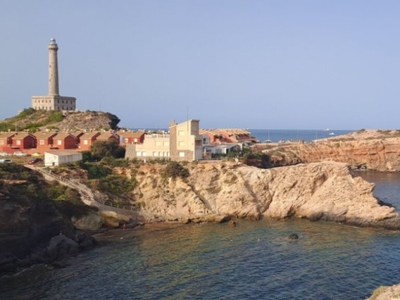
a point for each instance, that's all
(33, 120)
(32, 213)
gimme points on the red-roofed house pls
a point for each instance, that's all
(108, 136)
(86, 140)
(44, 140)
(64, 141)
(131, 137)
(23, 141)
(6, 141)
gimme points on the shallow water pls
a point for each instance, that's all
(254, 260)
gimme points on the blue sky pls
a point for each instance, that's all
(250, 64)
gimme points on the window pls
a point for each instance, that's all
(18, 142)
(155, 153)
(138, 153)
(166, 144)
(85, 142)
(158, 144)
(181, 154)
(181, 144)
(59, 142)
(181, 132)
(41, 142)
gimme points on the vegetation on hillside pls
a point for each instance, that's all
(102, 149)
(31, 120)
(174, 169)
(22, 185)
(256, 158)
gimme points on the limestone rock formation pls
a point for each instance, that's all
(88, 120)
(313, 191)
(366, 149)
(386, 293)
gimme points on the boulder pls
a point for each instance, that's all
(92, 221)
(61, 247)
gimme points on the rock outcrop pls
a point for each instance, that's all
(386, 293)
(367, 149)
(316, 191)
(88, 120)
(34, 229)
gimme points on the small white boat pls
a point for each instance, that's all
(331, 133)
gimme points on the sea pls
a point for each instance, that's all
(254, 260)
(284, 135)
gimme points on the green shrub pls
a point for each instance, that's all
(26, 112)
(5, 126)
(118, 185)
(100, 149)
(55, 116)
(115, 162)
(175, 169)
(96, 170)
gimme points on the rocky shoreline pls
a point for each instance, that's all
(214, 192)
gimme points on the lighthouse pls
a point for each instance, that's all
(53, 68)
(53, 101)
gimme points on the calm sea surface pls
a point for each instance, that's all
(276, 135)
(254, 260)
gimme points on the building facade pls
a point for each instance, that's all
(55, 158)
(182, 143)
(186, 142)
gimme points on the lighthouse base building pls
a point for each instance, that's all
(53, 102)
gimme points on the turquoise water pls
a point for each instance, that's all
(254, 260)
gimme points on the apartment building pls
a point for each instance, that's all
(182, 143)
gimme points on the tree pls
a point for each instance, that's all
(100, 149)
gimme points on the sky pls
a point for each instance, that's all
(300, 64)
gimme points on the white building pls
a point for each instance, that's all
(55, 158)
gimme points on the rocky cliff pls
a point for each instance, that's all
(366, 149)
(33, 228)
(316, 191)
